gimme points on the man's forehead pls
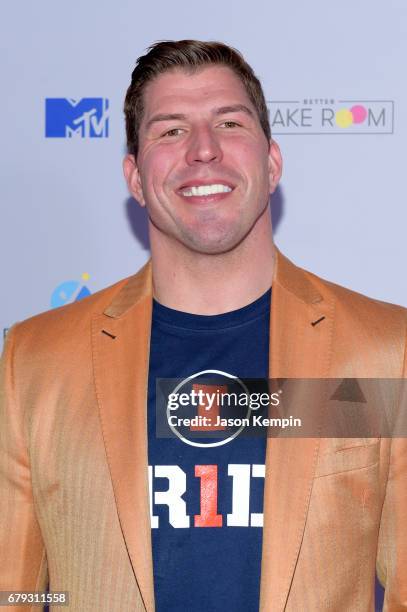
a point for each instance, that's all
(205, 87)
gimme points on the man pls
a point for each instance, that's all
(78, 394)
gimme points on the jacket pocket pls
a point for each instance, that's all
(345, 454)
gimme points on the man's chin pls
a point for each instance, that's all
(217, 241)
(218, 245)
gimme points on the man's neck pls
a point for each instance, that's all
(213, 284)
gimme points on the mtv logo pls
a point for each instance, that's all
(68, 118)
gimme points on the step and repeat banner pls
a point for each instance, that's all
(335, 85)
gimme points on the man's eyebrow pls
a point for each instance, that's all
(233, 108)
(166, 117)
(221, 110)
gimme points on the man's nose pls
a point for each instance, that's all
(204, 147)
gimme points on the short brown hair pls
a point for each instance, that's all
(188, 55)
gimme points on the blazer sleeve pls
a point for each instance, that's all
(392, 547)
(23, 564)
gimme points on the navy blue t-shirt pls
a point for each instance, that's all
(207, 503)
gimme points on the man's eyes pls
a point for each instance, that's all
(173, 132)
(230, 124)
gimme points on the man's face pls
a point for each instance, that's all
(204, 169)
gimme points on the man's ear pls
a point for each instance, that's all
(132, 176)
(275, 165)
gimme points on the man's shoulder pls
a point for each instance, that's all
(364, 324)
(69, 323)
(360, 325)
(353, 302)
(77, 311)
(368, 335)
(313, 288)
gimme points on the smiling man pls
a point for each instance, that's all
(204, 165)
(93, 500)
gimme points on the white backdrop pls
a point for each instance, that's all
(340, 210)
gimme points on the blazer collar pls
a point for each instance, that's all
(138, 288)
(294, 280)
(286, 274)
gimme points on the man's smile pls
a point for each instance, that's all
(198, 191)
(205, 190)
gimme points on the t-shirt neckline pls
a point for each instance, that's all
(186, 320)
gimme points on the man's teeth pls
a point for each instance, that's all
(204, 190)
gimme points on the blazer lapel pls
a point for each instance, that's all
(121, 342)
(300, 333)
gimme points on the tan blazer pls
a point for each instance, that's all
(74, 504)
